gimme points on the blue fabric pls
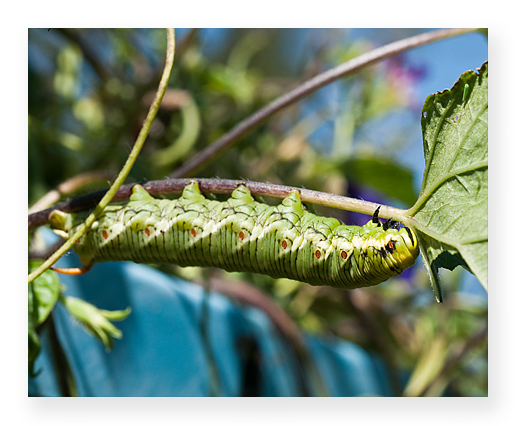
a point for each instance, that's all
(162, 352)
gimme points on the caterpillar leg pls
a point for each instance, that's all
(390, 224)
(73, 271)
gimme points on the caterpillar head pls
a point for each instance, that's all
(369, 255)
(409, 239)
(401, 249)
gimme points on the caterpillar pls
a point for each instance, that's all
(241, 234)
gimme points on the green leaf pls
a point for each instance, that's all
(43, 293)
(34, 344)
(46, 289)
(451, 213)
(95, 320)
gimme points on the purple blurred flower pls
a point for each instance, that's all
(403, 76)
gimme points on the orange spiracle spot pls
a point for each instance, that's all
(284, 244)
(241, 235)
(344, 255)
(390, 245)
(317, 254)
(193, 232)
(147, 231)
(105, 234)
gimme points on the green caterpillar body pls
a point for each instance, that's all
(241, 234)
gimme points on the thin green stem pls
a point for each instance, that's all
(142, 136)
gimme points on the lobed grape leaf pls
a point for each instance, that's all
(450, 216)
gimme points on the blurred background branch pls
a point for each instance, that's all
(359, 136)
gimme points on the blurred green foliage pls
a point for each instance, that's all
(89, 91)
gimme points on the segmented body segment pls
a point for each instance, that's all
(241, 234)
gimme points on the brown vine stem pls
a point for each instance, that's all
(230, 138)
(142, 136)
(222, 186)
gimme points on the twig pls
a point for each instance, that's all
(142, 136)
(68, 187)
(99, 68)
(305, 89)
(221, 186)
